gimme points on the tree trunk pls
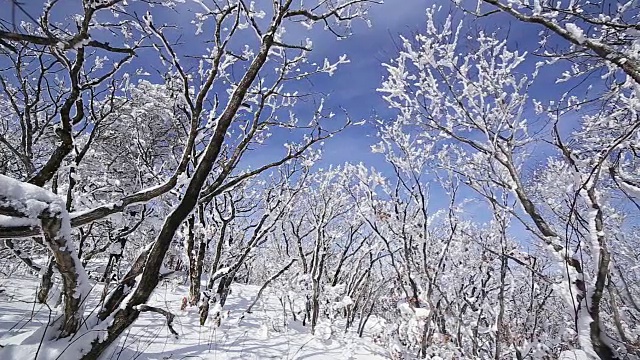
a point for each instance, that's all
(500, 320)
(264, 286)
(46, 281)
(219, 298)
(72, 273)
(196, 276)
(315, 303)
(194, 279)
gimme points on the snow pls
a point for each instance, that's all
(594, 243)
(115, 248)
(263, 334)
(8, 221)
(419, 313)
(537, 7)
(573, 355)
(584, 321)
(221, 272)
(346, 301)
(576, 32)
(629, 188)
(422, 313)
(31, 200)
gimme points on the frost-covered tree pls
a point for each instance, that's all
(464, 104)
(81, 122)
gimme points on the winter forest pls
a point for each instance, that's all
(319, 179)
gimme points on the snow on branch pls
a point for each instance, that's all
(26, 201)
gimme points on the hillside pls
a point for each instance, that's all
(263, 334)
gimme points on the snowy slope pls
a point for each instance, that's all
(259, 335)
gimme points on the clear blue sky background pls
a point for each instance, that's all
(353, 87)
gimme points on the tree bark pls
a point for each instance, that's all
(124, 317)
(46, 281)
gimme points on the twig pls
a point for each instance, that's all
(165, 313)
(275, 276)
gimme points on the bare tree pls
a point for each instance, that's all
(207, 154)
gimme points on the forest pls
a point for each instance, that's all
(323, 179)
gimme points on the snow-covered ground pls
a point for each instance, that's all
(263, 334)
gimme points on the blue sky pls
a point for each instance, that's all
(353, 87)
